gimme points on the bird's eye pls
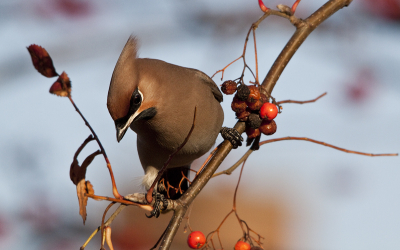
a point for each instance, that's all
(137, 99)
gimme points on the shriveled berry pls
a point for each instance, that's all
(264, 98)
(241, 245)
(238, 105)
(229, 87)
(243, 92)
(254, 94)
(256, 248)
(255, 105)
(243, 116)
(268, 127)
(268, 111)
(254, 121)
(252, 133)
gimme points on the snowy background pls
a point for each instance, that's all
(298, 195)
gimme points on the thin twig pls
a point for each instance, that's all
(255, 55)
(208, 159)
(102, 224)
(231, 169)
(107, 223)
(223, 70)
(149, 196)
(126, 202)
(247, 154)
(114, 186)
(301, 102)
(324, 144)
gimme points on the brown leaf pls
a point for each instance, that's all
(62, 87)
(82, 198)
(83, 188)
(89, 188)
(42, 61)
(76, 173)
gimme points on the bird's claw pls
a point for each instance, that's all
(232, 135)
(160, 203)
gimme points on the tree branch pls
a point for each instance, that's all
(298, 38)
(268, 84)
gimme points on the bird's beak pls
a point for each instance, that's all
(120, 133)
(123, 123)
(121, 126)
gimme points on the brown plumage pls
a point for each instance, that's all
(157, 100)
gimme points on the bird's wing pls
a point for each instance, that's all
(210, 83)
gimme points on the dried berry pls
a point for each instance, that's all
(264, 98)
(254, 94)
(268, 127)
(229, 87)
(243, 116)
(252, 133)
(243, 92)
(254, 121)
(256, 105)
(238, 105)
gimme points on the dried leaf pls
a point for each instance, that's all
(90, 190)
(82, 198)
(76, 173)
(83, 188)
(62, 87)
(42, 61)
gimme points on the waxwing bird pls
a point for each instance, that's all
(157, 101)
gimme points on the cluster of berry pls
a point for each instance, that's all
(196, 240)
(252, 107)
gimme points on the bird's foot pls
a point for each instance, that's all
(160, 203)
(232, 135)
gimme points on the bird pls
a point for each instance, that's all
(157, 100)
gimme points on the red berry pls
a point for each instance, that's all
(241, 245)
(196, 240)
(268, 111)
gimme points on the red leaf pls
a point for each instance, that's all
(62, 87)
(42, 61)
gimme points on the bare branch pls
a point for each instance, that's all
(268, 84)
(301, 102)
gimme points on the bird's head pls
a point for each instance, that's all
(127, 101)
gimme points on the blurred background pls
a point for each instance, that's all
(296, 194)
